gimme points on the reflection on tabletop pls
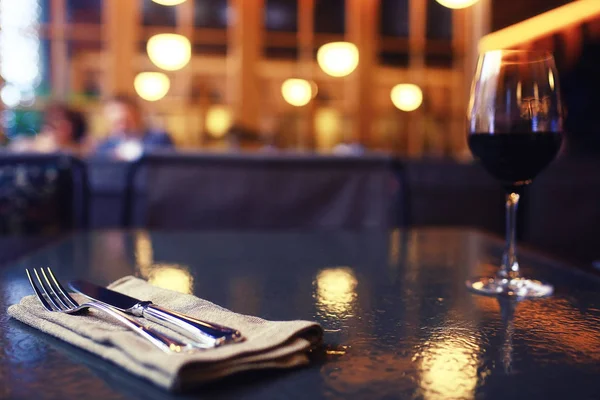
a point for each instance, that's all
(398, 320)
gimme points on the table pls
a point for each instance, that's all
(399, 322)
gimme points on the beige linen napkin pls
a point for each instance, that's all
(268, 344)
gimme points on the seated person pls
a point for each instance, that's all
(64, 129)
(128, 138)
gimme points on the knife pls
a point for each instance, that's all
(206, 333)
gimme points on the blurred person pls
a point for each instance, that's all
(348, 149)
(128, 138)
(64, 129)
(348, 146)
(239, 137)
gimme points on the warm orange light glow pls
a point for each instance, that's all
(151, 86)
(406, 96)
(541, 25)
(338, 58)
(168, 2)
(551, 79)
(296, 92)
(171, 276)
(336, 291)
(448, 367)
(169, 51)
(218, 121)
(457, 4)
(328, 124)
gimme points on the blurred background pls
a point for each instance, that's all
(284, 114)
(316, 75)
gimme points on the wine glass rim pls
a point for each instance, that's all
(537, 55)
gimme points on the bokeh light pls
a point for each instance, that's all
(328, 124)
(457, 4)
(20, 58)
(151, 86)
(130, 150)
(448, 366)
(169, 2)
(169, 51)
(338, 59)
(297, 92)
(407, 96)
(218, 121)
(10, 96)
(171, 276)
(336, 291)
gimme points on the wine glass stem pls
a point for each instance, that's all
(510, 266)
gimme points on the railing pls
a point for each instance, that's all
(563, 31)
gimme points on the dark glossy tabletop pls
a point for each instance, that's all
(399, 322)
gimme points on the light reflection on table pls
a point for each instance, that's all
(399, 322)
(335, 292)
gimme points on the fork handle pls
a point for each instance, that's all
(163, 342)
(202, 331)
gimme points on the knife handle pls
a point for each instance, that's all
(163, 342)
(204, 332)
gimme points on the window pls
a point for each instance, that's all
(394, 59)
(85, 75)
(84, 11)
(281, 15)
(330, 16)
(394, 18)
(154, 14)
(211, 14)
(439, 21)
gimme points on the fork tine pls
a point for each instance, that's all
(45, 290)
(63, 292)
(55, 295)
(38, 293)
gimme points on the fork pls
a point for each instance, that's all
(55, 298)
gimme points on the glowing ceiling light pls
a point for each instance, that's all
(296, 92)
(406, 96)
(338, 58)
(218, 121)
(168, 2)
(169, 51)
(151, 86)
(457, 4)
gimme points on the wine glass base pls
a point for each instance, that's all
(518, 287)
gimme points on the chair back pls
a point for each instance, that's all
(258, 191)
(42, 194)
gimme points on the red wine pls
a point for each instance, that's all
(515, 158)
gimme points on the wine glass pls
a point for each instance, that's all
(515, 131)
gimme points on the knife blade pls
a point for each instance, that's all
(205, 332)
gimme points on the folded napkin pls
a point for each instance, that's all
(268, 344)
